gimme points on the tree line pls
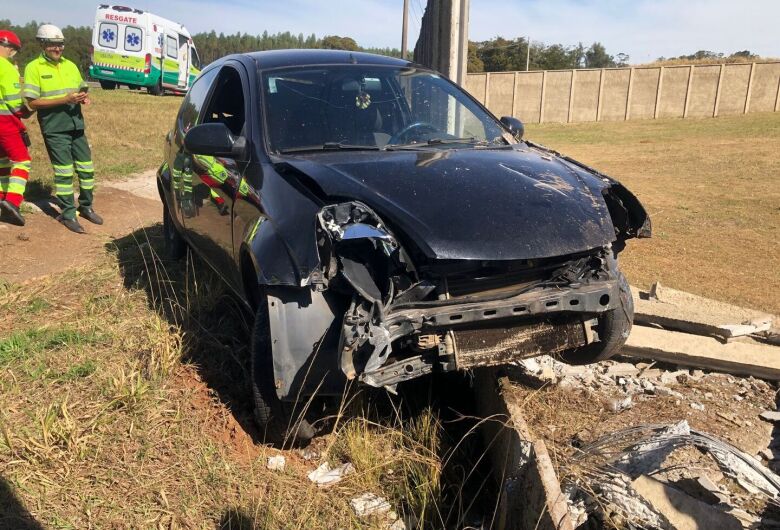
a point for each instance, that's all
(494, 55)
(501, 55)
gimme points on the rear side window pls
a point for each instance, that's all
(107, 35)
(171, 47)
(134, 39)
(192, 105)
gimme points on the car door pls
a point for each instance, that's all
(181, 204)
(216, 180)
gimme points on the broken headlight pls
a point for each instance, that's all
(361, 257)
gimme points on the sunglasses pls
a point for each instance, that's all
(55, 45)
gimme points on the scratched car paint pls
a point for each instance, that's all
(383, 226)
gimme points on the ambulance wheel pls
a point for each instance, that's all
(107, 85)
(156, 90)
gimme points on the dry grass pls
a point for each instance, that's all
(126, 405)
(711, 187)
(125, 131)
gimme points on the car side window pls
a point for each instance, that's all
(192, 105)
(227, 104)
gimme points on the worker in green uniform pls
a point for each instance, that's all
(53, 86)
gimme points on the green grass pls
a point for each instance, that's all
(126, 130)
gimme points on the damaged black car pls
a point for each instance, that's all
(382, 226)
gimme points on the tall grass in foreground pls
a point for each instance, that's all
(126, 403)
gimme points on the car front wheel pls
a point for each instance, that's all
(613, 329)
(279, 422)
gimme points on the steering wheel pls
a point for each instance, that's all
(424, 125)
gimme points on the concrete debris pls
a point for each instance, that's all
(369, 504)
(616, 491)
(697, 406)
(620, 404)
(681, 510)
(326, 476)
(667, 392)
(398, 524)
(623, 369)
(308, 454)
(686, 312)
(622, 463)
(276, 463)
(770, 416)
(683, 349)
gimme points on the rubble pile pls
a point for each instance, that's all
(660, 476)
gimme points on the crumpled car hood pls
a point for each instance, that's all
(478, 204)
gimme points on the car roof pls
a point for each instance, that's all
(266, 60)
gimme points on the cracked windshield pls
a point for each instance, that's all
(313, 109)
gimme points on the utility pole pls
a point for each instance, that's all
(444, 38)
(463, 42)
(405, 31)
(527, 52)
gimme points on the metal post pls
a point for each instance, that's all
(749, 87)
(514, 94)
(688, 91)
(628, 94)
(405, 31)
(658, 93)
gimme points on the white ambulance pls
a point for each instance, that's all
(139, 49)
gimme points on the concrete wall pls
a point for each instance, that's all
(614, 94)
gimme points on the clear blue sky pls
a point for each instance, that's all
(644, 29)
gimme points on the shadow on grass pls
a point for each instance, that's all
(190, 297)
(216, 331)
(13, 515)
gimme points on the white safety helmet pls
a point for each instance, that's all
(50, 33)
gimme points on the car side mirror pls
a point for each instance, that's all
(214, 139)
(515, 126)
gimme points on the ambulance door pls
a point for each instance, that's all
(184, 61)
(170, 63)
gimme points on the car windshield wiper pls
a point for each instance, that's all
(437, 141)
(327, 146)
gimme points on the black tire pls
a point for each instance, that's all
(279, 422)
(107, 85)
(156, 90)
(613, 329)
(175, 245)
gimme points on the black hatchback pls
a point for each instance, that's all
(382, 225)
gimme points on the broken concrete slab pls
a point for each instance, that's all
(680, 509)
(687, 312)
(770, 416)
(531, 496)
(758, 360)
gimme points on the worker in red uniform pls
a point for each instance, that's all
(14, 156)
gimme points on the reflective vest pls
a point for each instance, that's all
(44, 79)
(10, 91)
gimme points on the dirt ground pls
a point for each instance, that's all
(43, 246)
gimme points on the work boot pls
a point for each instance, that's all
(90, 215)
(71, 224)
(11, 213)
